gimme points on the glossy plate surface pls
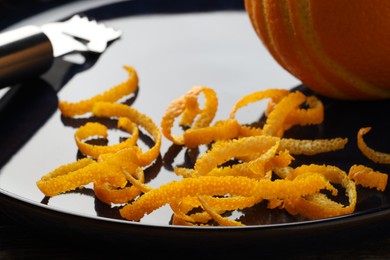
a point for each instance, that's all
(173, 45)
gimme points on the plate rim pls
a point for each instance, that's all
(259, 231)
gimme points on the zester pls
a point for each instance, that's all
(29, 51)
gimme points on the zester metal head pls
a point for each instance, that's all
(97, 35)
(79, 34)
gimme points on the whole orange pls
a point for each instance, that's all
(337, 48)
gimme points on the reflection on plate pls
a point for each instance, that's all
(173, 46)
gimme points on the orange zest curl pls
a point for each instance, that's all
(318, 205)
(275, 123)
(223, 151)
(367, 177)
(223, 221)
(96, 129)
(274, 94)
(115, 167)
(373, 155)
(219, 186)
(242, 166)
(109, 194)
(216, 205)
(221, 130)
(85, 171)
(311, 147)
(313, 114)
(187, 106)
(107, 109)
(114, 94)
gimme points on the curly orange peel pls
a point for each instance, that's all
(187, 106)
(318, 205)
(118, 176)
(367, 177)
(92, 129)
(84, 171)
(107, 109)
(219, 186)
(71, 109)
(373, 155)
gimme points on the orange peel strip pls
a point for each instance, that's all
(73, 176)
(275, 94)
(254, 168)
(221, 130)
(189, 107)
(275, 124)
(96, 129)
(180, 212)
(219, 186)
(137, 182)
(311, 147)
(367, 177)
(182, 207)
(312, 115)
(317, 206)
(107, 109)
(280, 161)
(177, 221)
(223, 151)
(207, 114)
(184, 172)
(109, 194)
(70, 167)
(174, 110)
(373, 155)
(71, 109)
(332, 173)
(216, 216)
(283, 172)
(249, 131)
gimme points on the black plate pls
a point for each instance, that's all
(173, 45)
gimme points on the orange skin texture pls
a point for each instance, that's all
(337, 48)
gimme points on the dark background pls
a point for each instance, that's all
(13, 11)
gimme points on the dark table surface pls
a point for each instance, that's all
(21, 239)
